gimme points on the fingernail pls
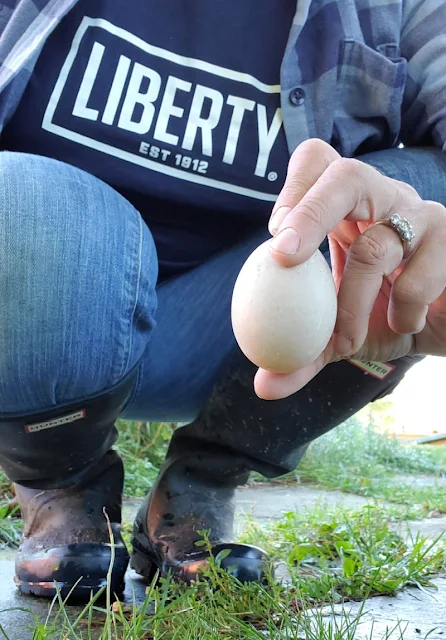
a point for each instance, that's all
(277, 217)
(287, 241)
(342, 345)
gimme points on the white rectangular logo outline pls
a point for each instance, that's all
(56, 422)
(50, 126)
(367, 367)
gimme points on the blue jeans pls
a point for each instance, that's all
(80, 298)
(80, 306)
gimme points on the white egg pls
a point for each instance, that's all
(283, 317)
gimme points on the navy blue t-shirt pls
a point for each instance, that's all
(174, 103)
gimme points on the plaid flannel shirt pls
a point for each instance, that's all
(362, 75)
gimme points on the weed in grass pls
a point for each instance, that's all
(422, 500)
(126, 531)
(10, 527)
(6, 487)
(142, 446)
(341, 555)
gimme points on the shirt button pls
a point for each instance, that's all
(297, 96)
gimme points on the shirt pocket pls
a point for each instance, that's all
(370, 94)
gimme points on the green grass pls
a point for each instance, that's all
(341, 556)
(142, 446)
(10, 527)
(198, 614)
(360, 460)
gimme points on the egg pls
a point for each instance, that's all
(283, 317)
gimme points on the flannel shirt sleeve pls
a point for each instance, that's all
(423, 44)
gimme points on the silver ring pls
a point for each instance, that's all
(402, 226)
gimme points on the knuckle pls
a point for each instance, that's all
(296, 186)
(350, 167)
(437, 212)
(368, 250)
(408, 291)
(316, 145)
(346, 318)
(410, 324)
(347, 321)
(438, 237)
(315, 210)
(406, 190)
(317, 149)
(287, 196)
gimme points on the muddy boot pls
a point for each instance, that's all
(195, 491)
(237, 433)
(69, 484)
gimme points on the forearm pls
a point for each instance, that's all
(422, 168)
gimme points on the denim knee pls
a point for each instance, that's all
(78, 275)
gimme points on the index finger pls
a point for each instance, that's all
(307, 164)
(347, 190)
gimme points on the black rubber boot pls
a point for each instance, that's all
(195, 491)
(68, 482)
(237, 433)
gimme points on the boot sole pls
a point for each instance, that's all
(245, 562)
(77, 571)
(80, 593)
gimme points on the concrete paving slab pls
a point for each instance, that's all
(418, 481)
(432, 528)
(410, 615)
(265, 503)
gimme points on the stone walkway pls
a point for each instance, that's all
(419, 611)
(411, 615)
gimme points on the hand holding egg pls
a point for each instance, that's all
(391, 293)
